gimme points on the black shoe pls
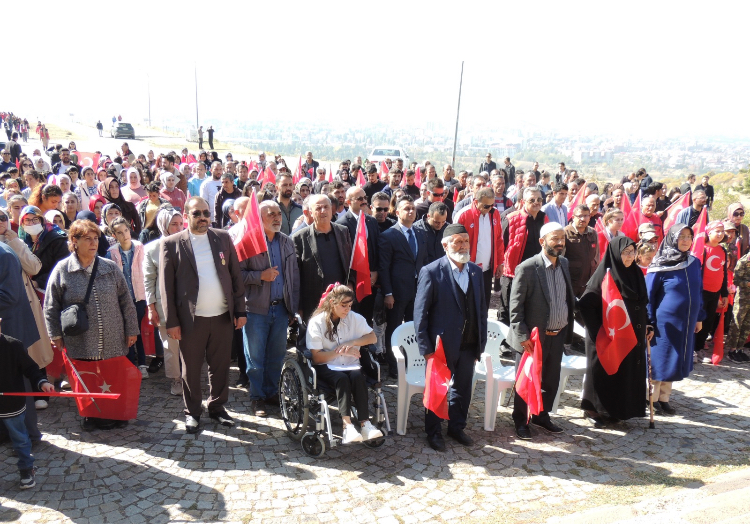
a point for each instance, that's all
(222, 417)
(546, 425)
(461, 437)
(436, 442)
(272, 401)
(88, 424)
(523, 432)
(121, 424)
(256, 409)
(192, 424)
(742, 356)
(595, 418)
(667, 409)
(28, 479)
(657, 408)
(156, 364)
(241, 383)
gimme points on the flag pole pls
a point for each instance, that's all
(80, 379)
(650, 388)
(458, 111)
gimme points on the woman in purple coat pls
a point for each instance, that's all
(675, 309)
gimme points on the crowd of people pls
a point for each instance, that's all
(128, 237)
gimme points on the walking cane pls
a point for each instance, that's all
(650, 388)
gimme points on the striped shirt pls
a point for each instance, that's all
(558, 311)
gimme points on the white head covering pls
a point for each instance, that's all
(549, 227)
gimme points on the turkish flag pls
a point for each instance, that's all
(718, 353)
(669, 218)
(417, 178)
(577, 200)
(330, 174)
(112, 375)
(625, 205)
(298, 172)
(699, 235)
(360, 261)
(603, 242)
(250, 240)
(616, 337)
(437, 381)
(269, 176)
(384, 169)
(88, 159)
(529, 377)
(633, 220)
(361, 179)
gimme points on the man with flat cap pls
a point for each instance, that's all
(542, 297)
(450, 304)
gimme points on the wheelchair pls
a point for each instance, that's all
(305, 404)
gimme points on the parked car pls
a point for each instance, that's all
(380, 153)
(122, 130)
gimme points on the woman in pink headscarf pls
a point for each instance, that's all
(133, 192)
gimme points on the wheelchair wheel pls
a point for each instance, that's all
(376, 442)
(313, 445)
(293, 400)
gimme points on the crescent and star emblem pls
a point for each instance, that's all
(104, 387)
(617, 303)
(710, 266)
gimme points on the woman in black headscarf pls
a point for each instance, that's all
(111, 193)
(609, 398)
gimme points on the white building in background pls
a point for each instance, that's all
(591, 156)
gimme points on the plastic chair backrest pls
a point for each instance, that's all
(495, 336)
(405, 338)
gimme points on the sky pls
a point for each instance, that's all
(657, 68)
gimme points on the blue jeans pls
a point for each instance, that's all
(264, 338)
(140, 308)
(20, 438)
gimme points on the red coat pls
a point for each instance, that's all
(470, 220)
(517, 235)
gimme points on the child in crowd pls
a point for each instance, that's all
(715, 291)
(644, 255)
(15, 363)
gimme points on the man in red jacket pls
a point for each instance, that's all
(521, 241)
(482, 221)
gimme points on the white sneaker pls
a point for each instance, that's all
(176, 387)
(41, 404)
(706, 357)
(144, 371)
(370, 432)
(351, 434)
(65, 385)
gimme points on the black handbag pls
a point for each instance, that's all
(75, 318)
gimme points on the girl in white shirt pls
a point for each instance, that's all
(334, 336)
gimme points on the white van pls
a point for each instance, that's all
(380, 153)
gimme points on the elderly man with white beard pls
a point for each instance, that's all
(450, 304)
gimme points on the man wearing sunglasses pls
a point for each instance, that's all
(436, 192)
(6, 164)
(482, 221)
(203, 297)
(521, 240)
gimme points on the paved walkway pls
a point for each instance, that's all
(153, 472)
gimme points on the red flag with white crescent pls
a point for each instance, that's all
(361, 181)
(437, 381)
(699, 235)
(669, 218)
(250, 239)
(88, 159)
(360, 261)
(616, 338)
(529, 377)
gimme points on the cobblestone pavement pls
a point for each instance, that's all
(152, 471)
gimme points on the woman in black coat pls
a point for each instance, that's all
(622, 395)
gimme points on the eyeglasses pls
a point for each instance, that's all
(32, 221)
(738, 214)
(534, 200)
(3, 218)
(439, 195)
(197, 214)
(28, 165)
(381, 209)
(360, 199)
(486, 206)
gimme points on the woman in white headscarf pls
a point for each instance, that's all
(41, 164)
(133, 191)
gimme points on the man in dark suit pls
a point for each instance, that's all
(450, 304)
(402, 255)
(488, 165)
(356, 199)
(433, 225)
(542, 297)
(324, 252)
(203, 297)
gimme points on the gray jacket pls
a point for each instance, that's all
(112, 315)
(151, 275)
(258, 292)
(530, 301)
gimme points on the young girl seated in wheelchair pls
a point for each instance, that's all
(334, 336)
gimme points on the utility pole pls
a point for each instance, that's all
(196, 94)
(149, 99)
(458, 111)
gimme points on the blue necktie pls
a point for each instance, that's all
(412, 243)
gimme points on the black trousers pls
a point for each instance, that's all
(503, 311)
(348, 384)
(459, 396)
(366, 307)
(402, 311)
(710, 303)
(211, 143)
(487, 277)
(552, 353)
(200, 143)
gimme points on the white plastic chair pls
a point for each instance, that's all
(503, 377)
(411, 371)
(571, 365)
